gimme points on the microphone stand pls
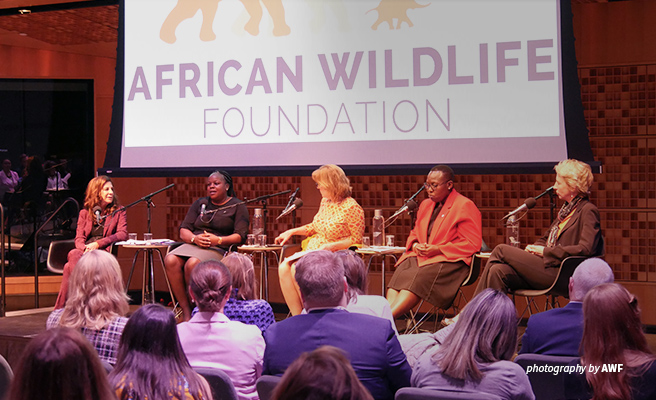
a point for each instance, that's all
(552, 206)
(411, 212)
(262, 199)
(149, 203)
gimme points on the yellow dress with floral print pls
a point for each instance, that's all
(336, 221)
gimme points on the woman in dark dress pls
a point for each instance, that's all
(212, 225)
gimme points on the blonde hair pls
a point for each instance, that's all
(243, 275)
(577, 175)
(334, 180)
(92, 194)
(96, 295)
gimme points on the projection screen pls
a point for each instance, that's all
(290, 84)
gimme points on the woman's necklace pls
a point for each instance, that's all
(223, 202)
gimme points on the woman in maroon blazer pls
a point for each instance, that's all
(93, 232)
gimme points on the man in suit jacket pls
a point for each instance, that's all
(447, 234)
(369, 342)
(558, 332)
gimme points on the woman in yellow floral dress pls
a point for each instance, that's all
(338, 224)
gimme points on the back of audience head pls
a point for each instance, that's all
(590, 273)
(210, 285)
(320, 278)
(355, 272)
(96, 295)
(612, 333)
(486, 332)
(60, 364)
(322, 374)
(151, 361)
(243, 275)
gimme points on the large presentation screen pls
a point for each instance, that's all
(298, 83)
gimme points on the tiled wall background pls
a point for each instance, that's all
(620, 110)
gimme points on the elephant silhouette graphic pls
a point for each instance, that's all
(186, 9)
(389, 10)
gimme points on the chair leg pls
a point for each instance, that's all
(413, 325)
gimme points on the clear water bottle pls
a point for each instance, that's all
(512, 231)
(378, 228)
(258, 223)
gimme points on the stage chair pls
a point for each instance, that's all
(545, 385)
(6, 376)
(265, 386)
(58, 255)
(411, 393)
(288, 250)
(559, 288)
(474, 273)
(220, 383)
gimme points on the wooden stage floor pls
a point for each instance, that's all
(16, 330)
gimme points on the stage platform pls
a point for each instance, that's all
(16, 330)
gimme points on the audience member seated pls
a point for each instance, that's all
(558, 332)
(55, 180)
(244, 305)
(211, 340)
(96, 304)
(358, 301)
(211, 226)
(369, 342)
(60, 364)
(416, 345)
(324, 373)
(95, 232)
(612, 337)
(8, 180)
(151, 364)
(475, 357)
(576, 232)
(32, 187)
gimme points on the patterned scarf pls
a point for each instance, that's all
(565, 210)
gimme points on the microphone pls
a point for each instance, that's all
(292, 198)
(96, 211)
(202, 210)
(548, 191)
(528, 204)
(410, 204)
(298, 203)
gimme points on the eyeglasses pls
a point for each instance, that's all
(433, 186)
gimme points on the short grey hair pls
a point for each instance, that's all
(320, 277)
(590, 273)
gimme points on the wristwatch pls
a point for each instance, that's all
(193, 238)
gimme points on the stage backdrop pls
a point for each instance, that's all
(379, 84)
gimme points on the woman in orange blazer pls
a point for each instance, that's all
(447, 234)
